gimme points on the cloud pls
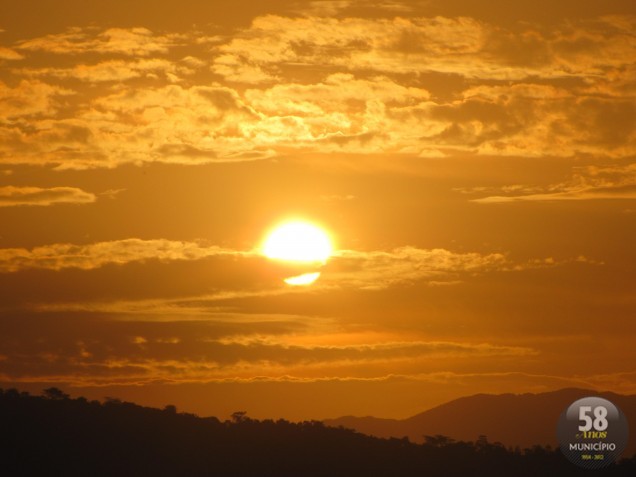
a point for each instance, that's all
(199, 307)
(223, 277)
(342, 113)
(109, 352)
(36, 196)
(326, 8)
(9, 54)
(581, 194)
(377, 270)
(330, 95)
(526, 119)
(109, 70)
(123, 41)
(382, 269)
(217, 346)
(174, 124)
(232, 69)
(386, 45)
(27, 99)
(91, 256)
(460, 45)
(203, 124)
(417, 86)
(588, 183)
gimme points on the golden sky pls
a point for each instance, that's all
(474, 163)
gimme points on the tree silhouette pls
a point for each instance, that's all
(239, 416)
(55, 394)
(438, 440)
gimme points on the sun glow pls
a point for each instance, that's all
(298, 241)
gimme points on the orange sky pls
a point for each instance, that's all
(475, 167)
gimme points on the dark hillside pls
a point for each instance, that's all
(54, 435)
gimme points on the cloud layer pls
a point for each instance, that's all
(419, 86)
(217, 349)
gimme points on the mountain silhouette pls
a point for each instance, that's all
(519, 420)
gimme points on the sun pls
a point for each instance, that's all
(298, 241)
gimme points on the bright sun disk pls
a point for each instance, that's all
(298, 242)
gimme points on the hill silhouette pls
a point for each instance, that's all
(54, 435)
(515, 420)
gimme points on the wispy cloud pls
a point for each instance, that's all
(36, 196)
(87, 257)
(109, 70)
(9, 54)
(588, 183)
(124, 41)
(376, 270)
(581, 194)
(183, 356)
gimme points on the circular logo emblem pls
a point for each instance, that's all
(592, 432)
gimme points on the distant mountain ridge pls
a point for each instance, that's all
(520, 420)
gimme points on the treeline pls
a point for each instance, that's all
(54, 435)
